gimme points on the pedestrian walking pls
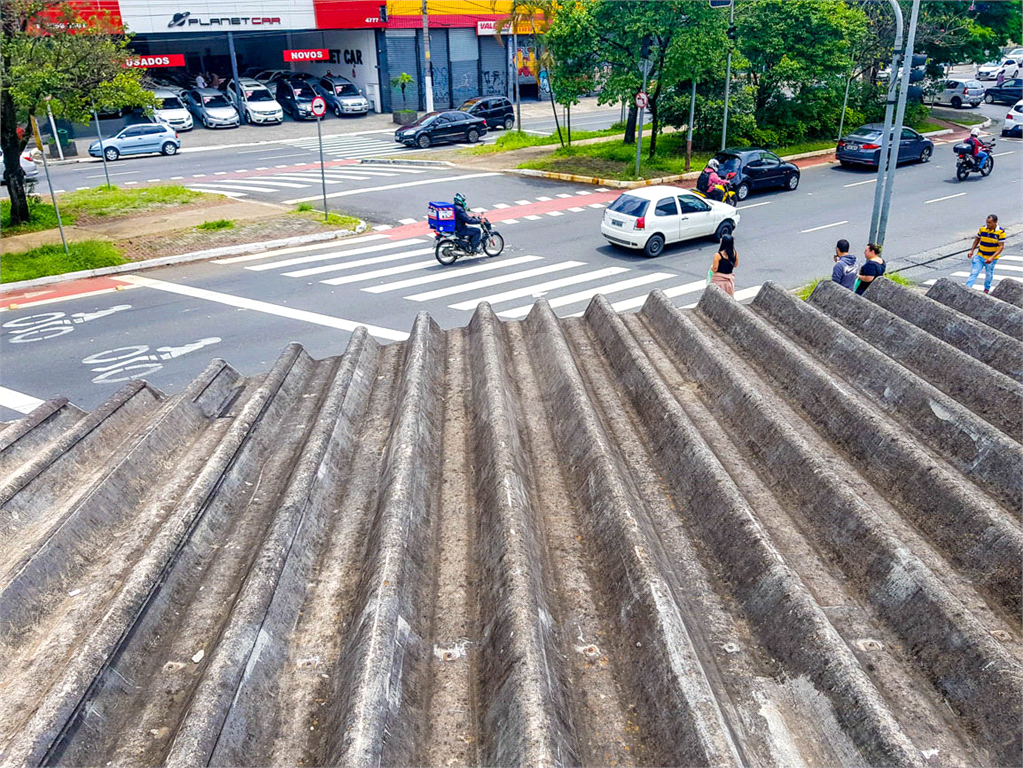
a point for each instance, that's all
(1000, 79)
(844, 271)
(872, 268)
(200, 81)
(988, 245)
(722, 271)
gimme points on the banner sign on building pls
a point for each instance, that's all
(308, 54)
(157, 60)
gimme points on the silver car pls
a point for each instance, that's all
(959, 93)
(211, 108)
(142, 139)
(28, 167)
(342, 96)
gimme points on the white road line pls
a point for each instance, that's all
(1003, 257)
(946, 197)
(296, 177)
(282, 166)
(541, 288)
(755, 205)
(101, 175)
(487, 282)
(509, 221)
(402, 185)
(262, 168)
(79, 189)
(930, 282)
(1001, 154)
(152, 181)
(58, 299)
(273, 157)
(127, 183)
(523, 202)
(267, 180)
(858, 183)
(300, 249)
(576, 210)
(584, 192)
(747, 293)
(533, 217)
(602, 189)
(334, 255)
(220, 173)
(596, 205)
(448, 273)
(359, 263)
(175, 178)
(544, 199)
(432, 268)
(500, 206)
(211, 191)
(408, 221)
(397, 168)
(18, 401)
(589, 293)
(381, 227)
(198, 175)
(241, 187)
(291, 313)
(678, 290)
(1008, 267)
(996, 276)
(555, 213)
(563, 194)
(823, 226)
(241, 170)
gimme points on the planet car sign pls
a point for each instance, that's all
(311, 54)
(160, 60)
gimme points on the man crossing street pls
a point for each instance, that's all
(988, 245)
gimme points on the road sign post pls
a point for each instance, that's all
(319, 107)
(641, 102)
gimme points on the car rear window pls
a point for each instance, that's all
(865, 133)
(629, 205)
(973, 84)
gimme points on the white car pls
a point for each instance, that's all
(171, 111)
(258, 105)
(650, 217)
(1009, 66)
(1014, 120)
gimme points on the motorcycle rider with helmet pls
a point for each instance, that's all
(466, 225)
(710, 183)
(980, 152)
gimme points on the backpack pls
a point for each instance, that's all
(703, 183)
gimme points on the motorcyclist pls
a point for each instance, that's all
(979, 147)
(710, 183)
(466, 225)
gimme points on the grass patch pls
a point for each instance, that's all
(927, 126)
(615, 160)
(963, 118)
(307, 211)
(512, 140)
(51, 260)
(214, 226)
(113, 201)
(898, 279)
(803, 292)
(41, 216)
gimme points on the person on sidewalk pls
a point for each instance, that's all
(722, 271)
(988, 245)
(872, 268)
(1000, 79)
(200, 81)
(844, 272)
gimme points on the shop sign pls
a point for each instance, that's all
(486, 27)
(186, 20)
(311, 54)
(352, 14)
(161, 60)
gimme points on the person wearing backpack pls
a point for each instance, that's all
(709, 183)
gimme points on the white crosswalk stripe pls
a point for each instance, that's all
(491, 281)
(359, 263)
(300, 249)
(237, 186)
(353, 147)
(467, 269)
(538, 290)
(335, 254)
(224, 192)
(432, 268)
(589, 293)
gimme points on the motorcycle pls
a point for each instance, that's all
(451, 247)
(730, 197)
(967, 162)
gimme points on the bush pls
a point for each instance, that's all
(51, 260)
(41, 216)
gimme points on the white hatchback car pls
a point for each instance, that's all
(1009, 66)
(1014, 120)
(650, 217)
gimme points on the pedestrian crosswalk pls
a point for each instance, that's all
(1005, 266)
(354, 146)
(405, 268)
(302, 177)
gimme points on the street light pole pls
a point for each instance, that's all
(102, 151)
(429, 64)
(53, 197)
(515, 73)
(640, 117)
(728, 75)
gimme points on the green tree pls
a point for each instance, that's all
(401, 82)
(48, 52)
(570, 56)
(537, 16)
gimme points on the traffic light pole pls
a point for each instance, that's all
(728, 75)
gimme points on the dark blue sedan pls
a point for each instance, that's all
(863, 146)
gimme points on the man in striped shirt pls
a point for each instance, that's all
(988, 245)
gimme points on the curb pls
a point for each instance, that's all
(184, 258)
(393, 161)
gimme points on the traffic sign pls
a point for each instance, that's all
(319, 106)
(720, 3)
(642, 100)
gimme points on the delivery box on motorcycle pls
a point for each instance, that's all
(963, 149)
(441, 217)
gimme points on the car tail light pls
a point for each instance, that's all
(28, 157)
(641, 222)
(871, 146)
(1009, 116)
(841, 145)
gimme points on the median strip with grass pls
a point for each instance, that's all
(805, 291)
(51, 260)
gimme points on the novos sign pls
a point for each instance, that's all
(161, 60)
(309, 54)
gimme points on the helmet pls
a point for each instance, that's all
(975, 132)
(460, 200)
(713, 163)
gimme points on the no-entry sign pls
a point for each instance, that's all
(641, 100)
(308, 54)
(157, 60)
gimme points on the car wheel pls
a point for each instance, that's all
(509, 123)
(423, 141)
(989, 99)
(472, 136)
(957, 103)
(925, 154)
(793, 181)
(205, 122)
(742, 191)
(724, 228)
(337, 110)
(654, 246)
(169, 148)
(112, 153)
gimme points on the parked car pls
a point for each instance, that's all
(258, 105)
(28, 167)
(1009, 65)
(270, 78)
(959, 92)
(211, 108)
(152, 138)
(650, 217)
(296, 97)
(1008, 92)
(171, 110)
(165, 83)
(440, 127)
(342, 95)
(1013, 124)
(863, 146)
(756, 170)
(498, 111)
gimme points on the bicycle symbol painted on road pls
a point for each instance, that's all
(133, 362)
(50, 325)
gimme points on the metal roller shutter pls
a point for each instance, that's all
(465, 79)
(441, 71)
(493, 67)
(401, 57)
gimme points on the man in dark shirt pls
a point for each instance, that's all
(872, 268)
(465, 221)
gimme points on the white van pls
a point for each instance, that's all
(170, 111)
(259, 105)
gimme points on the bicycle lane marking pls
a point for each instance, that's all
(49, 325)
(73, 289)
(133, 362)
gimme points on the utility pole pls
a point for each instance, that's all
(53, 197)
(234, 75)
(102, 149)
(429, 64)
(515, 73)
(689, 129)
(728, 70)
(845, 102)
(644, 63)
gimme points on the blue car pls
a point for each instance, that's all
(863, 146)
(145, 139)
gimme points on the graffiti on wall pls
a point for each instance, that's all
(495, 82)
(525, 62)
